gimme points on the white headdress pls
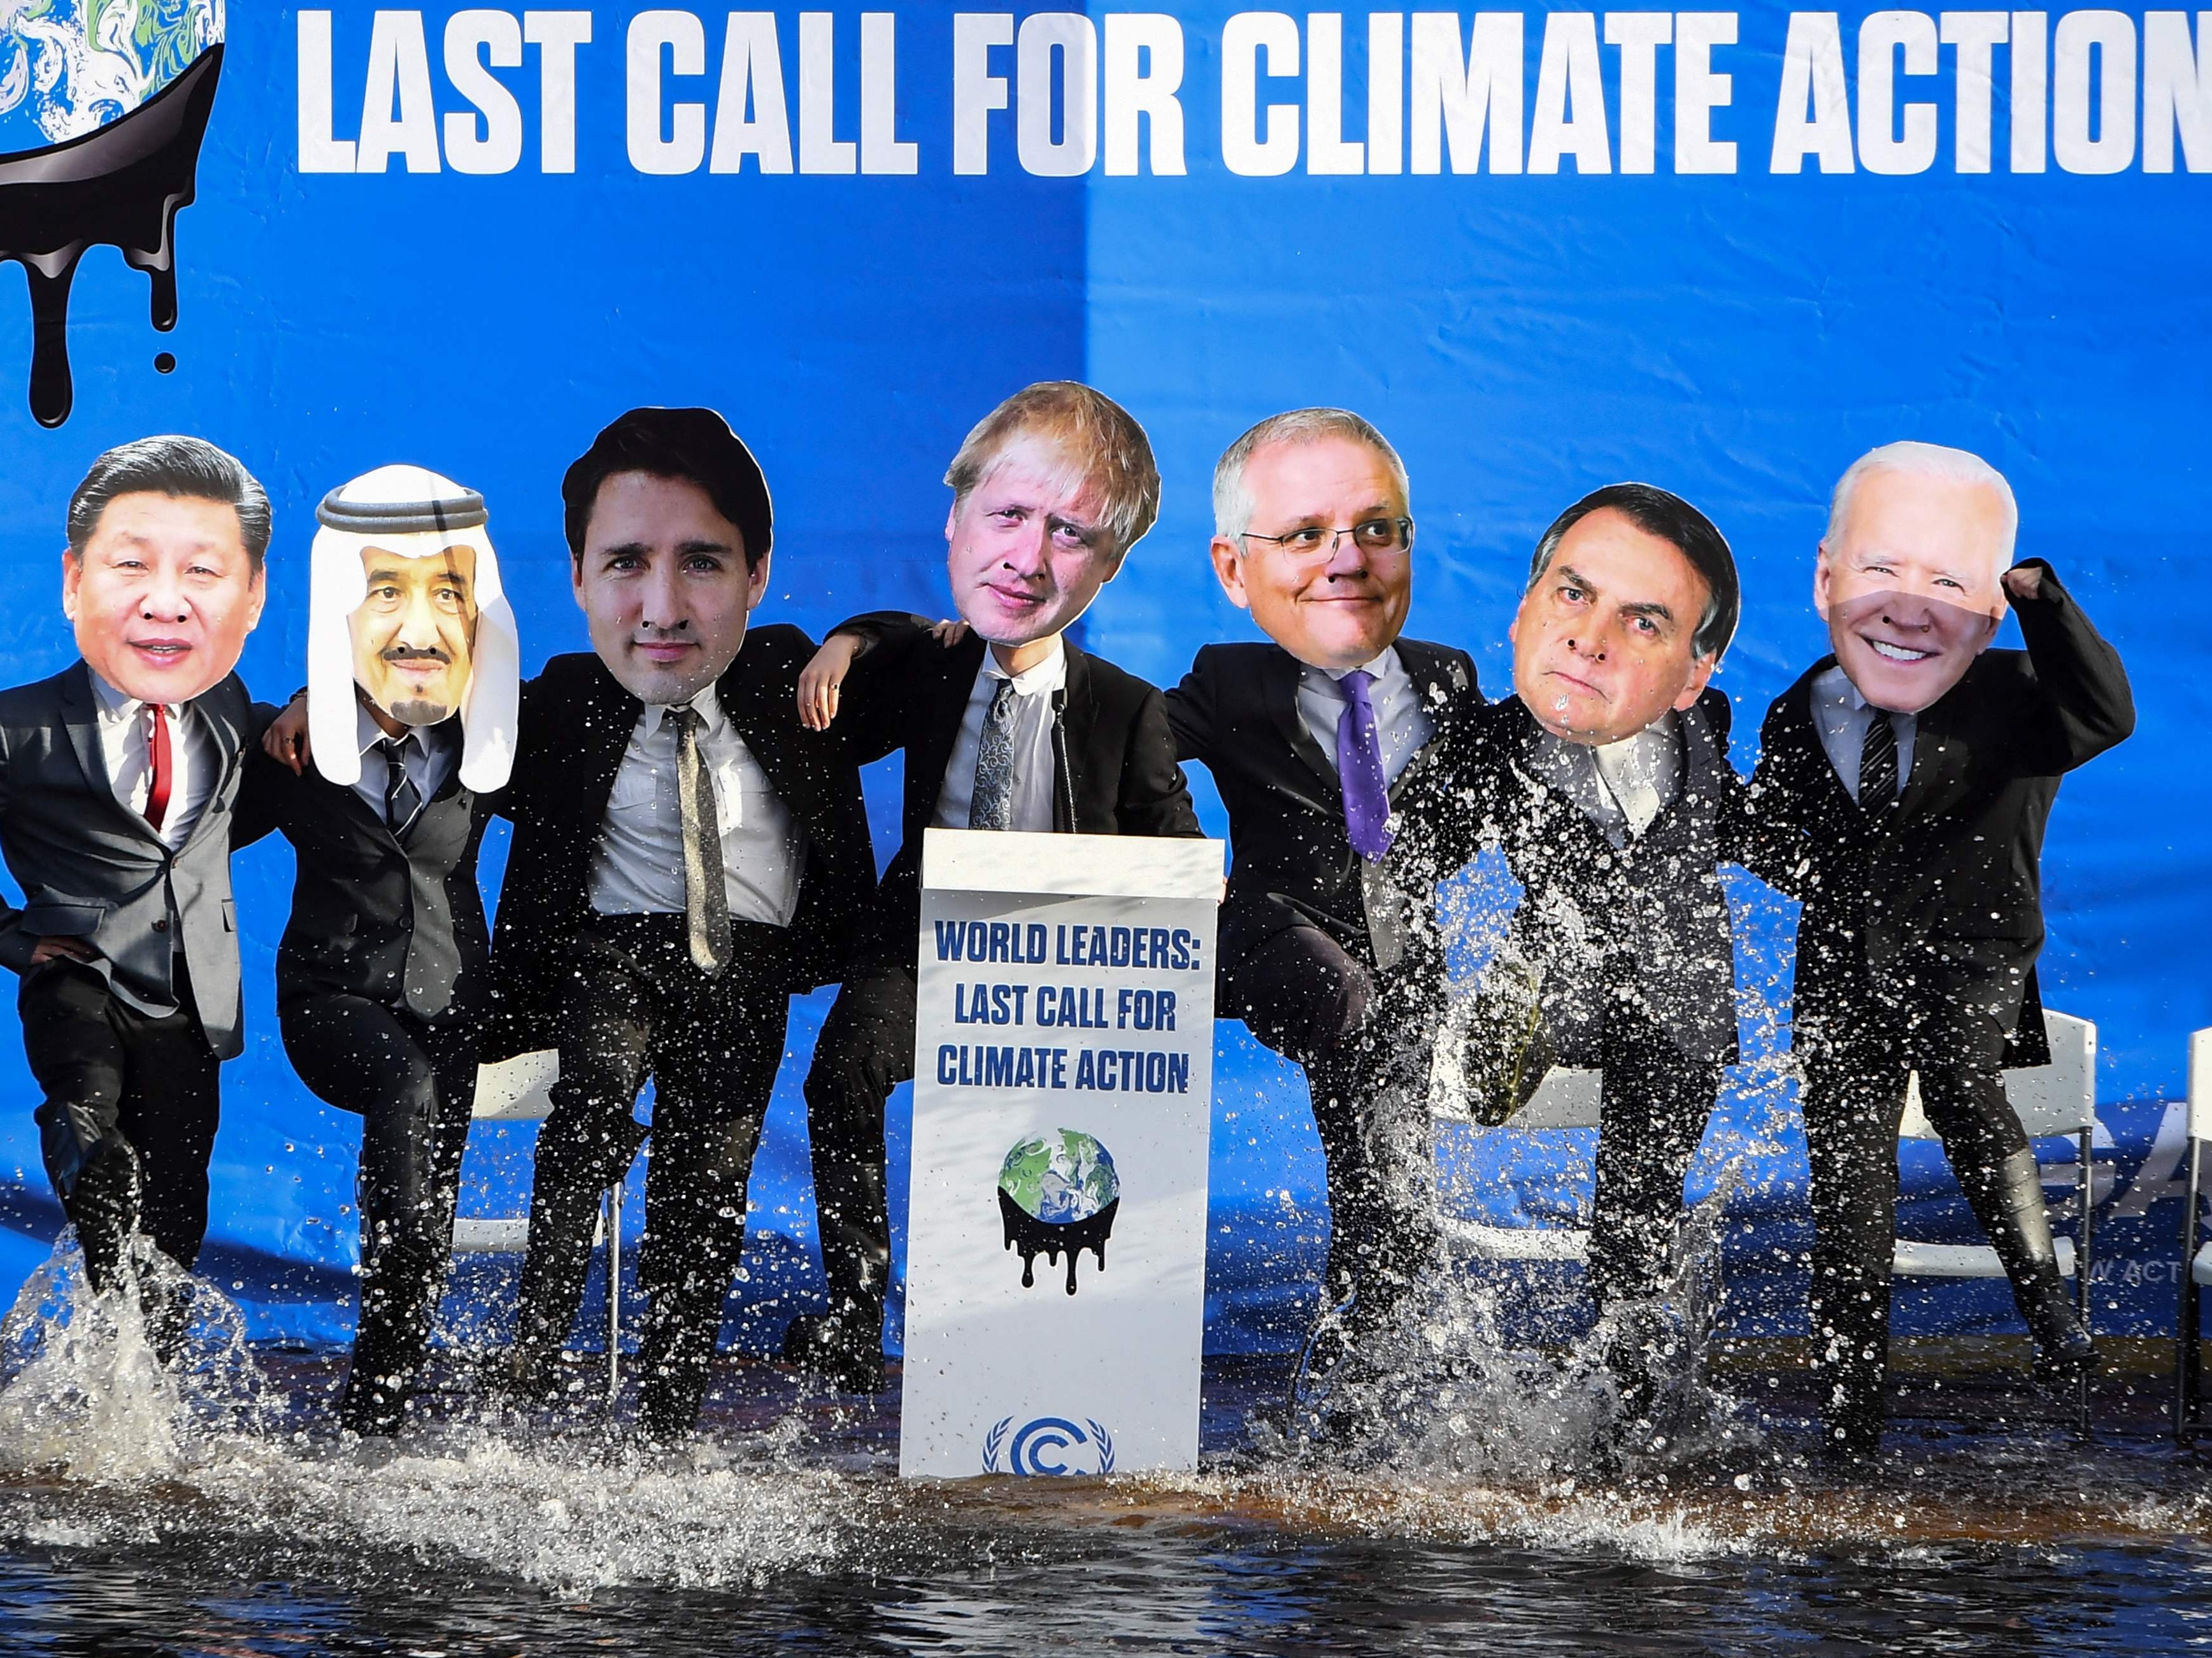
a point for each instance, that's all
(415, 513)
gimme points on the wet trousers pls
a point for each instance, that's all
(865, 1051)
(412, 1083)
(1366, 1040)
(1856, 1070)
(128, 1123)
(1654, 1106)
(636, 1006)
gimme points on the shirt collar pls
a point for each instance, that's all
(1379, 669)
(116, 708)
(708, 706)
(1835, 687)
(1049, 675)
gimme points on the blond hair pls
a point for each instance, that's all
(1100, 441)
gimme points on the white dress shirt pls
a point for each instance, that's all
(1642, 772)
(1401, 725)
(429, 752)
(1032, 744)
(1842, 717)
(637, 862)
(126, 729)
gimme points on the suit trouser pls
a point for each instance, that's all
(138, 1092)
(1855, 1072)
(866, 1050)
(412, 1083)
(1365, 1040)
(1654, 1104)
(636, 1005)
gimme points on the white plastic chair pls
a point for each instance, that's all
(519, 1090)
(2196, 1261)
(1565, 1099)
(2058, 1098)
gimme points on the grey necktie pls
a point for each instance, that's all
(401, 799)
(1878, 764)
(992, 805)
(706, 898)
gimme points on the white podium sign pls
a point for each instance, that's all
(1055, 1302)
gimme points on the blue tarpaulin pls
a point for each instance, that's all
(1726, 282)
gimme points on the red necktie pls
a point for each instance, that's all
(157, 751)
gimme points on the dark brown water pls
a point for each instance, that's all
(239, 1525)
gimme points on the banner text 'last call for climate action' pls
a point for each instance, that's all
(1263, 93)
(1107, 1004)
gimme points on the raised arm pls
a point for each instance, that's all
(2087, 706)
(1154, 798)
(1190, 713)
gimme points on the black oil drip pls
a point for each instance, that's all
(122, 187)
(1035, 1237)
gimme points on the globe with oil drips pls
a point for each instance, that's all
(1057, 1194)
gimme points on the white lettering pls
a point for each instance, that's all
(399, 74)
(318, 151)
(2177, 79)
(1639, 34)
(680, 34)
(1247, 147)
(1454, 99)
(1812, 116)
(468, 35)
(1143, 65)
(1569, 119)
(1881, 147)
(976, 91)
(1699, 91)
(1071, 39)
(556, 35)
(751, 116)
(2110, 37)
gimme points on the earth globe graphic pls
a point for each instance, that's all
(103, 106)
(1058, 1193)
(70, 67)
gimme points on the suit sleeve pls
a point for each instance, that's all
(2087, 706)
(15, 946)
(1155, 799)
(1763, 830)
(1190, 715)
(260, 786)
(878, 693)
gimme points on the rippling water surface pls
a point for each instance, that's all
(217, 1513)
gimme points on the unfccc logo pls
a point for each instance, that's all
(1047, 1445)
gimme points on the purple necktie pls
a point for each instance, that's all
(1359, 769)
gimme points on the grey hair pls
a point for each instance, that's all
(1925, 460)
(1232, 502)
(182, 468)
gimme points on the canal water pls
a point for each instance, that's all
(214, 1510)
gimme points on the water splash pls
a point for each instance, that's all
(84, 1393)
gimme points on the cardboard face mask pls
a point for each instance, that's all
(406, 612)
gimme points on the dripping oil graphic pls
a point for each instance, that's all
(120, 187)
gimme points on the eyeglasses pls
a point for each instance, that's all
(1374, 535)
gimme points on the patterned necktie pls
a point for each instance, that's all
(992, 805)
(706, 897)
(401, 799)
(1878, 764)
(1359, 769)
(158, 765)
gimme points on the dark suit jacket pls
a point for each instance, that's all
(1292, 863)
(370, 910)
(1114, 761)
(577, 721)
(92, 870)
(1649, 914)
(1955, 867)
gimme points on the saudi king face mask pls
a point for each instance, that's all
(406, 612)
